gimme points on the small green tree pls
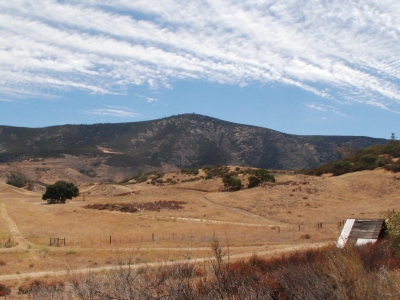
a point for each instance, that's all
(232, 183)
(60, 191)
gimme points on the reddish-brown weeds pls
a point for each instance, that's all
(4, 290)
(137, 206)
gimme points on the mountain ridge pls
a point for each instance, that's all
(186, 140)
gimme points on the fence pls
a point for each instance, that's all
(261, 234)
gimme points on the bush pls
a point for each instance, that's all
(394, 167)
(253, 182)
(342, 165)
(190, 171)
(380, 162)
(140, 177)
(232, 183)
(368, 158)
(36, 285)
(215, 171)
(364, 159)
(326, 273)
(393, 149)
(393, 229)
(259, 176)
(4, 290)
(17, 179)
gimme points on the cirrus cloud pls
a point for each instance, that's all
(340, 50)
(113, 111)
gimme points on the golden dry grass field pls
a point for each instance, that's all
(275, 217)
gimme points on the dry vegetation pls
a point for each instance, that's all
(135, 207)
(368, 272)
(262, 220)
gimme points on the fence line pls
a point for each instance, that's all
(273, 233)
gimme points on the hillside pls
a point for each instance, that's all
(102, 235)
(378, 156)
(187, 140)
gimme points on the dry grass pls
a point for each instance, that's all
(367, 272)
(250, 221)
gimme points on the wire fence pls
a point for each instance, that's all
(261, 234)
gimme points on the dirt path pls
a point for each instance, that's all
(213, 221)
(155, 264)
(18, 238)
(13, 228)
(89, 188)
(242, 212)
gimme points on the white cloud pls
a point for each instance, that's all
(114, 111)
(148, 99)
(314, 106)
(325, 108)
(341, 50)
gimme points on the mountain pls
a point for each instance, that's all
(187, 140)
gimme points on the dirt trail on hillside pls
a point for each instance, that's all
(242, 212)
(18, 238)
(156, 264)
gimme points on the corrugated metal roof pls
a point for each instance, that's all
(366, 229)
(360, 231)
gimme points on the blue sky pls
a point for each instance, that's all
(301, 67)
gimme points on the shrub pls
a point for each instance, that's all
(259, 176)
(253, 182)
(215, 171)
(17, 179)
(232, 183)
(36, 285)
(393, 229)
(306, 236)
(363, 272)
(393, 149)
(368, 158)
(140, 177)
(4, 290)
(363, 159)
(190, 171)
(342, 165)
(380, 162)
(394, 167)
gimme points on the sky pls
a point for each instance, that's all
(297, 66)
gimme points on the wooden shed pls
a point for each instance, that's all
(362, 231)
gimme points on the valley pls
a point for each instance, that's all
(266, 220)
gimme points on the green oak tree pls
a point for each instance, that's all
(60, 191)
